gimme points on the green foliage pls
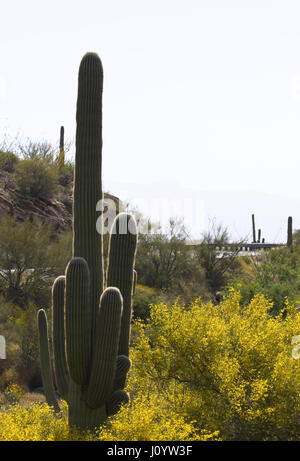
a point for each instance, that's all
(60, 252)
(41, 171)
(165, 262)
(218, 266)
(36, 178)
(28, 356)
(296, 237)
(161, 256)
(8, 367)
(23, 258)
(276, 292)
(275, 274)
(22, 356)
(66, 174)
(8, 161)
(13, 393)
(143, 298)
(29, 260)
(38, 150)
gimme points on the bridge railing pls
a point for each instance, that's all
(244, 246)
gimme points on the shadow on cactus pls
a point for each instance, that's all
(91, 312)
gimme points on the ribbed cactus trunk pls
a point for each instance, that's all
(87, 243)
(91, 323)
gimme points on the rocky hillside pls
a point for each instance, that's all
(53, 211)
(57, 212)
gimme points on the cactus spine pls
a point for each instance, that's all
(91, 313)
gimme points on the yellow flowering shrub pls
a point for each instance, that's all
(201, 372)
(148, 418)
(228, 368)
(13, 393)
(144, 419)
(35, 423)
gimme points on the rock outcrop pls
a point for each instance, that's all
(55, 212)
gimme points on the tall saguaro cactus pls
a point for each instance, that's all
(61, 155)
(290, 232)
(259, 235)
(91, 312)
(253, 229)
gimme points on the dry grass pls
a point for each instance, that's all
(32, 397)
(25, 401)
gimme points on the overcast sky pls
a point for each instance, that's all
(198, 96)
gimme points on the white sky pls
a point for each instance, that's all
(198, 96)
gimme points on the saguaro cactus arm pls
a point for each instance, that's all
(106, 348)
(78, 320)
(46, 362)
(115, 400)
(58, 336)
(122, 249)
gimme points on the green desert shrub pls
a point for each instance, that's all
(8, 161)
(37, 150)
(66, 174)
(166, 263)
(273, 273)
(22, 365)
(13, 393)
(219, 266)
(36, 178)
(143, 298)
(296, 238)
(28, 360)
(276, 292)
(24, 260)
